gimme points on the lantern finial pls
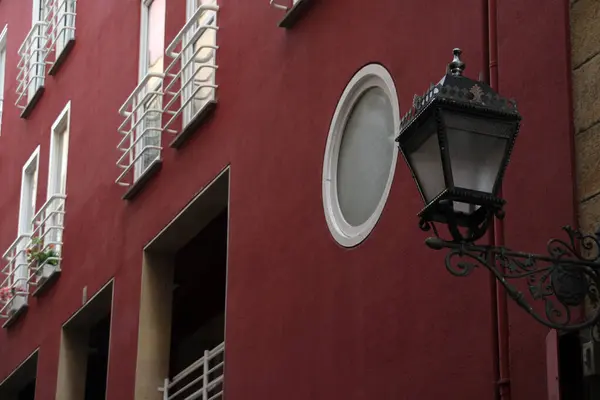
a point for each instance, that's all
(457, 66)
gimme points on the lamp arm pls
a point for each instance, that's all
(568, 277)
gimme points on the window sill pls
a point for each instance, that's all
(294, 13)
(137, 186)
(13, 318)
(190, 128)
(46, 282)
(34, 100)
(61, 57)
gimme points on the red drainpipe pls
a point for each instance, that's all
(499, 303)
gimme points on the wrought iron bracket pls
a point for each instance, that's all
(563, 282)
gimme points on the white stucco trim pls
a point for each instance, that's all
(372, 75)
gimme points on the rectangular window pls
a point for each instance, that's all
(37, 41)
(58, 26)
(29, 178)
(64, 24)
(152, 44)
(27, 207)
(2, 71)
(32, 61)
(59, 150)
(57, 186)
(199, 59)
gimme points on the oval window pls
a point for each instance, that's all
(361, 154)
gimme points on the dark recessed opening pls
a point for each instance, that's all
(198, 312)
(84, 352)
(97, 360)
(28, 391)
(570, 367)
(20, 384)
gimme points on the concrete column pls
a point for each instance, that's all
(154, 335)
(72, 364)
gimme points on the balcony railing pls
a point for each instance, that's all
(203, 379)
(31, 66)
(14, 289)
(140, 145)
(60, 28)
(46, 241)
(189, 85)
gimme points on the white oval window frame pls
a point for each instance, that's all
(369, 76)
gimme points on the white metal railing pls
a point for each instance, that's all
(189, 84)
(59, 16)
(14, 289)
(203, 379)
(141, 129)
(31, 64)
(46, 240)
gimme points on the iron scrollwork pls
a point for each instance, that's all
(564, 283)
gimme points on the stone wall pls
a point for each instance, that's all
(585, 41)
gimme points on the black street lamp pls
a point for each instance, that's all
(457, 140)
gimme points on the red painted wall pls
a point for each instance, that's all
(305, 317)
(539, 182)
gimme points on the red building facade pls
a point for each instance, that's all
(301, 315)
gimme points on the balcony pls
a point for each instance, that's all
(14, 288)
(47, 43)
(59, 16)
(45, 247)
(31, 68)
(203, 379)
(140, 145)
(189, 85)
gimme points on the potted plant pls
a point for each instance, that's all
(6, 294)
(39, 255)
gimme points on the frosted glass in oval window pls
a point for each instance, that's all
(365, 157)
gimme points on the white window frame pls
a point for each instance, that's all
(25, 223)
(188, 113)
(139, 168)
(36, 17)
(33, 162)
(57, 185)
(2, 71)
(370, 76)
(144, 20)
(61, 126)
(64, 22)
(36, 74)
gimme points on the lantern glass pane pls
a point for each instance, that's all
(476, 148)
(465, 208)
(426, 162)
